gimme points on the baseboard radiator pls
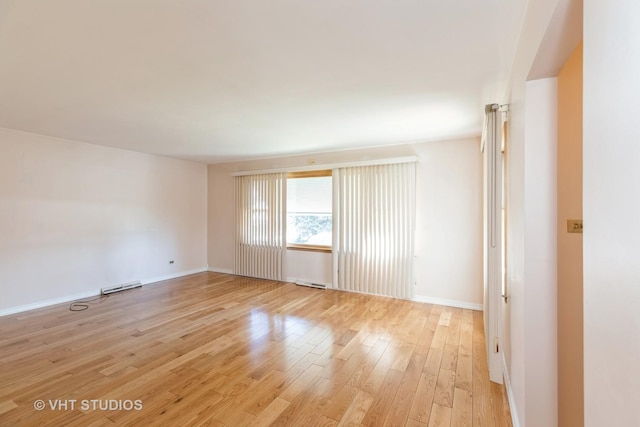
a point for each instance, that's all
(120, 288)
(310, 285)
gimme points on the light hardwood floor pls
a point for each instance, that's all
(216, 349)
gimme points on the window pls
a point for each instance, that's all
(309, 202)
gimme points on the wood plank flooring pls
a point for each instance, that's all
(221, 350)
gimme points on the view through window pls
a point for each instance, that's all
(309, 200)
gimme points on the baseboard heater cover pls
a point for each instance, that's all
(310, 285)
(120, 288)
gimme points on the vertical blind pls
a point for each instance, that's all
(373, 229)
(493, 239)
(260, 225)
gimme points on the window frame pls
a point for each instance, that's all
(301, 175)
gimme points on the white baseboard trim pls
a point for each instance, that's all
(42, 304)
(448, 302)
(88, 294)
(173, 276)
(512, 400)
(220, 270)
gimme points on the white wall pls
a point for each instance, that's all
(449, 264)
(611, 176)
(220, 218)
(532, 344)
(314, 267)
(522, 253)
(540, 267)
(532, 264)
(448, 223)
(76, 217)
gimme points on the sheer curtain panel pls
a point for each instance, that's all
(260, 225)
(373, 229)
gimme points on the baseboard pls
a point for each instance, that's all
(87, 294)
(515, 421)
(47, 303)
(220, 270)
(448, 302)
(173, 276)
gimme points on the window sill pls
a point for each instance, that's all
(310, 248)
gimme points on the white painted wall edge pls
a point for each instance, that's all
(448, 302)
(220, 270)
(75, 297)
(515, 421)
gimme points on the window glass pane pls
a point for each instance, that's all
(309, 211)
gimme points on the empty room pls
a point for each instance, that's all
(300, 213)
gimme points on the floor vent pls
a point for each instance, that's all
(119, 288)
(310, 285)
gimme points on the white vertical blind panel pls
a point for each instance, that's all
(373, 227)
(260, 226)
(492, 194)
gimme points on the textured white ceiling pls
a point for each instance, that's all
(215, 81)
